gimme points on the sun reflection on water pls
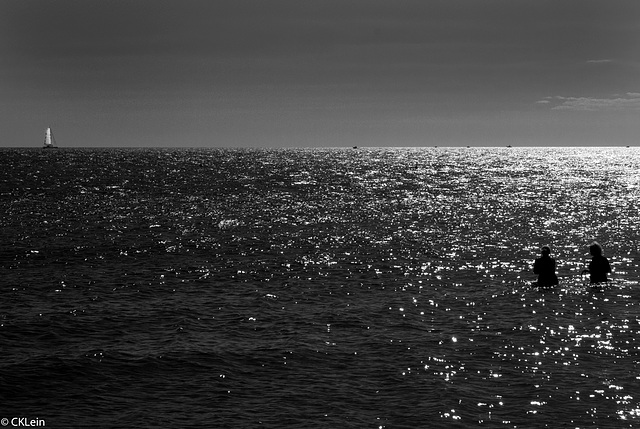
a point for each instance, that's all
(560, 335)
(407, 271)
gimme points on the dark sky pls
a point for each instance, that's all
(320, 72)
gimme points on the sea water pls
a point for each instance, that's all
(313, 288)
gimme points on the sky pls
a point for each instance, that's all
(320, 73)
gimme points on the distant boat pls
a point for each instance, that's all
(49, 140)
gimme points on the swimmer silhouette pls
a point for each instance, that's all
(545, 268)
(599, 265)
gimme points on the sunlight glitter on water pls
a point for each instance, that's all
(395, 282)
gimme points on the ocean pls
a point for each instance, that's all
(317, 288)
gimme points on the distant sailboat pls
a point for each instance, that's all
(49, 140)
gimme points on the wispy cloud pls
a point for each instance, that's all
(628, 101)
(604, 61)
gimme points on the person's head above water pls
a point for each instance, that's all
(545, 250)
(595, 249)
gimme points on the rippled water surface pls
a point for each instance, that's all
(369, 288)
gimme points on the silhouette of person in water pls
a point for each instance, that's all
(545, 268)
(599, 265)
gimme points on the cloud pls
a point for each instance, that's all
(599, 61)
(628, 101)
